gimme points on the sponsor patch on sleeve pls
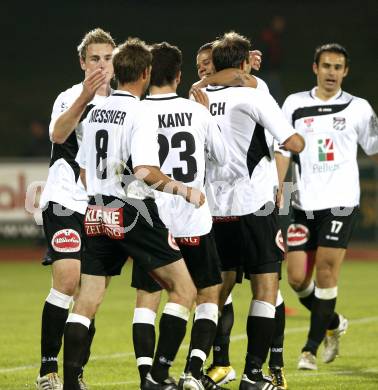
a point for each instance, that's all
(66, 241)
(297, 234)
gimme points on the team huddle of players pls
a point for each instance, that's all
(189, 189)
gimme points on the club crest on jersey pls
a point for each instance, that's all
(308, 123)
(338, 123)
(325, 149)
(66, 241)
(297, 234)
(189, 241)
(172, 242)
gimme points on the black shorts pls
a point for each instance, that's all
(228, 239)
(121, 229)
(64, 231)
(201, 257)
(327, 228)
(262, 249)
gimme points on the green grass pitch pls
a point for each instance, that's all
(24, 286)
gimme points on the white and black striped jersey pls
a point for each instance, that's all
(248, 180)
(326, 172)
(119, 135)
(188, 136)
(63, 183)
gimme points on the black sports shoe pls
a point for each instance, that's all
(47, 259)
(150, 384)
(248, 384)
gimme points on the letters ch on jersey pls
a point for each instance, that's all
(218, 108)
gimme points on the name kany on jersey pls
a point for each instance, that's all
(176, 119)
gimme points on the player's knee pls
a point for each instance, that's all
(297, 282)
(184, 293)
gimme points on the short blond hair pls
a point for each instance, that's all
(98, 35)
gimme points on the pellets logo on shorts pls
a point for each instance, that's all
(172, 242)
(66, 240)
(297, 234)
(280, 241)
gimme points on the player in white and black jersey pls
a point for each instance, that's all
(327, 193)
(221, 371)
(188, 136)
(245, 190)
(122, 219)
(64, 199)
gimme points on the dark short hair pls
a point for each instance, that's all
(230, 51)
(206, 46)
(166, 63)
(333, 48)
(130, 59)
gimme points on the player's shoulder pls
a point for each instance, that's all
(72, 92)
(356, 101)
(301, 96)
(261, 84)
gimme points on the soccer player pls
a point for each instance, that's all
(64, 199)
(122, 219)
(243, 192)
(326, 198)
(187, 135)
(220, 371)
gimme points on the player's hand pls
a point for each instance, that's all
(198, 85)
(200, 97)
(195, 196)
(92, 83)
(255, 59)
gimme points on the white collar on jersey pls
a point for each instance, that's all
(119, 92)
(158, 96)
(334, 97)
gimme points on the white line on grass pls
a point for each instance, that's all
(233, 338)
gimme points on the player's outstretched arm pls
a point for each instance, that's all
(282, 164)
(69, 119)
(155, 178)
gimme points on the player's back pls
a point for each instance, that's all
(186, 133)
(110, 131)
(248, 180)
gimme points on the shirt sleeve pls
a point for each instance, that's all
(267, 112)
(215, 145)
(287, 112)
(60, 105)
(144, 145)
(367, 129)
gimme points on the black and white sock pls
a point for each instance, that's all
(323, 309)
(172, 329)
(276, 348)
(260, 330)
(221, 345)
(306, 296)
(144, 339)
(202, 337)
(76, 336)
(54, 317)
